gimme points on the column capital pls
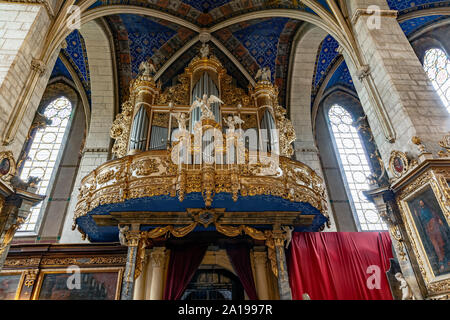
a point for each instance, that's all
(369, 12)
(260, 257)
(38, 66)
(157, 257)
(133, 238)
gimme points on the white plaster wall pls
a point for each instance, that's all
(102, 114)
(300, 101)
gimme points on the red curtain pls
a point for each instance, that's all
(240, 259)
(339, 265)
(183, 263)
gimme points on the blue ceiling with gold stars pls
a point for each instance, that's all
(145, 37)
(261, 41)
(60, 70)
(76, 55)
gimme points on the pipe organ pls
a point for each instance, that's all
(152, 124)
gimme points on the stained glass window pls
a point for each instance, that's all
(437, 67)
(355, 167)
(44, 153)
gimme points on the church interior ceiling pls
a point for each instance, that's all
(255, 43)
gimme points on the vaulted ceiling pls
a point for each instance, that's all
(255, 43)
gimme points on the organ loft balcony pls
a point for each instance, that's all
(200, 155)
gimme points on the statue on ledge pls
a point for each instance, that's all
(232, 121)
(404, 287)
(147, 68)
(205, 105)
(181, 118)
(264, 74)
(204, 50)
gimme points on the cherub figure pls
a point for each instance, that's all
(122, 237)
(204, 50)
(264, 74)
(288, 234)
(404, 286)
(147, 68)
(181, 118)
(205, 105)
(232, 121)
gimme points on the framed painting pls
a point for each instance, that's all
(91, 284)
(10, 284)
(423, 205)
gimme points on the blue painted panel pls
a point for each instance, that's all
(60, 70)
(261, 41)
(145, 37)
(194, 200)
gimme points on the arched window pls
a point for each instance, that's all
(437, 67)
(355, 168)
(44, 154)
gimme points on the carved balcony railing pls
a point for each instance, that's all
(153, 173)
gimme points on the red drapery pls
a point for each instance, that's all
(337, 265)
(240, 259)
(183, 263)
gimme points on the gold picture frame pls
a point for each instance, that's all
(20, 274)
(63, 271)
(425, 198)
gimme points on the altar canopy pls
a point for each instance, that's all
(339, 265)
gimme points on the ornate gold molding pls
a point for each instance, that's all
(126, 178)
(437, 179)
(7, 166)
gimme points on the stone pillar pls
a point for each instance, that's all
(393, 71)
(283, 277)
(157, 259)
(132, 238)
(23, 77)
(260, 262)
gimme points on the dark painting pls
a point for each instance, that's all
(93, 286)
(8, 286)
(433, 230)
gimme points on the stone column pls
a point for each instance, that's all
(157, 259)
(23, 76)
(132, 238)
(260, 262)
(408, 100)
(283, 277)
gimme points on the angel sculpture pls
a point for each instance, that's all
(205, 105)
(232, 121)
(204, 50)
(264, 74)
(181, 118)
(404, 287)
(288, 234)
(147, 68)
(122, 237)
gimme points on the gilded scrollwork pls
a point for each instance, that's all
(286, 131)
(120, 129)
(295, 181)
(145, 167)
